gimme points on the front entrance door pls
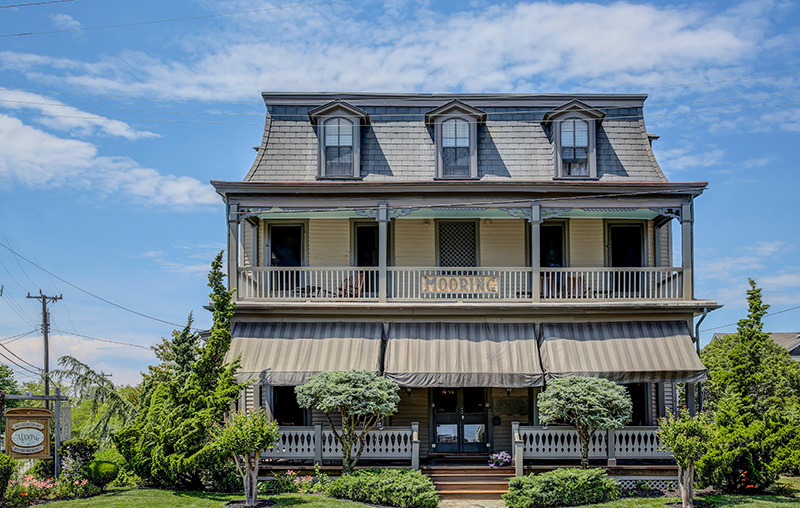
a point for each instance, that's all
(459, 420)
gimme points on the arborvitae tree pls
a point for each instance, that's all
(176, 416)
(754, 390)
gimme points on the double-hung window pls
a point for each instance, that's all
(573, 127)
(339, 133)
(455, 132)
(455, 148)
(575, 147)
(338, 147)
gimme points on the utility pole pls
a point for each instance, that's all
(45, 331)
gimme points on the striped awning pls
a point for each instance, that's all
(630, 352)
(287, 354)
(463, 355)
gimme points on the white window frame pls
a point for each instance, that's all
(591, 149)
(472, 122)
(322, 163)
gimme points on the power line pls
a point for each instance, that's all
(36, 3)
(18, 336)
(9, 360)
(122, 307)
(169, 20)
(18, 358)
(108, 340)
(770, 314)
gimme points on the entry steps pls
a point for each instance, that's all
(469, 482)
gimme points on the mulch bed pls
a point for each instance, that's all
(242, 504)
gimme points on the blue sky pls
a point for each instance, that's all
(109, 136)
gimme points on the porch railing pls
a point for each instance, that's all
(317, 443)
(431, 284)
(564, 443)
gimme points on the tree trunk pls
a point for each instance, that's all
(686, 483)
(347, 453)
(584, 448)
(251, 480)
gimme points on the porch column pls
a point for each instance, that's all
(318, 443)
(233, 247)
(611, 445)
(536, 221)
(687, 249)
(383, 248)
(517, 450)
(415, 446)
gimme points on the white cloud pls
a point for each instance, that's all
(35, 158)
(684, 158)
(60, 116)
(65, 21)
(159, 258)
(526, 47)
(766, 249)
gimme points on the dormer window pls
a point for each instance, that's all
(338, 147)
(339, 133)
(575, 148)
(455, 130)
(573, 129)
(455, 148)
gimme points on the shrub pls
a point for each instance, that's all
(562, 487)
(80, 450)
(42, 469)
(7, 467)
(101, 472)
(126, 476)
(388, 487)
(222, 476)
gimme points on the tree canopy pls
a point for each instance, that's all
(687, 438)
(360, 397)
(588, 403)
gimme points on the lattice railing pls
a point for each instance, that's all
(638, 442)
(301, 443)
(564, 443)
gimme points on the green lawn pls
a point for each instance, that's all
(153, 498)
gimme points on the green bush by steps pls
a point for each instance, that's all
(562, 487)
(388, 487)
(7, 467)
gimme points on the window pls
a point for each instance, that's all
(575, 148)
(339, 134)
(455, 130)
(285, 409)
(573, 129)
(551, 245)
(338, 147)
(455, 147)
(458, 243)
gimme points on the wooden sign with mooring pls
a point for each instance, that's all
(459, 284)
(28, 432)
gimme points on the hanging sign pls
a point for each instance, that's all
(28, 432)
(459, 284)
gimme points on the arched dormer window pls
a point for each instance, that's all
(455, 147)
(338, 147)
(339, 133)
(573, 127)
(455, 130)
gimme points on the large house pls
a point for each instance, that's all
(470, 247)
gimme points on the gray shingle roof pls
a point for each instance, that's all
(398, 145)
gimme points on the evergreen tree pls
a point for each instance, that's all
(164, 443)
(754, 391)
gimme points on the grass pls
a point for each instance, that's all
(154, 498)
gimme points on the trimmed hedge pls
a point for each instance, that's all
(7, 467)
(388, 487)
(101, 472)
(561, 487)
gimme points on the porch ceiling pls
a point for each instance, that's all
(454, 212)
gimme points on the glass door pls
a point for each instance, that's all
(459, 420)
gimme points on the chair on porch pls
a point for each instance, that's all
(351, 287)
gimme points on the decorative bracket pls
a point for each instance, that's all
(549, 213)
(671, 212)
(520, 213)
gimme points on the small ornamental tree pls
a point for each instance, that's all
(244, 436)
(362, 399)
(687, 438)
(589, 404)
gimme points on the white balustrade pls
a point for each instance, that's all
(564, 443)
(648, 283)
(300, 443)
(447, 284)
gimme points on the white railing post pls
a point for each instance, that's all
(610, 446)
(517, 450)
(318, 443)
(536, 262)
(415, 446)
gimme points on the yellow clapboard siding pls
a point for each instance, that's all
(329, 242)
(414, 243)
(502, 243)
(414, 408)
(586, 248)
